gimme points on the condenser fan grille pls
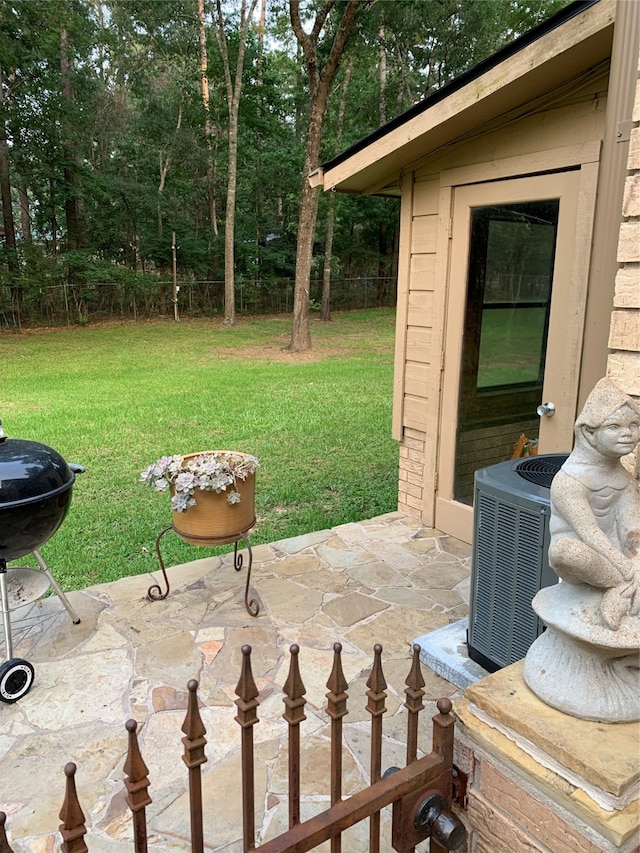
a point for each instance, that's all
(541, 469)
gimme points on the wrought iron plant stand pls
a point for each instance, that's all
(216, 517)
(155, 593)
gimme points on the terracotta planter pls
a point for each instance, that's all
(214, 521)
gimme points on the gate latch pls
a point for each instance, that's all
(432, 820)
(419, 816)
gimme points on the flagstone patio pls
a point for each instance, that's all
(386, 580)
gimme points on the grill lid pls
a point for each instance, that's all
(30, 471)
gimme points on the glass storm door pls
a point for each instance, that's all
(509, 257)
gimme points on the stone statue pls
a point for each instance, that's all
(587, 662)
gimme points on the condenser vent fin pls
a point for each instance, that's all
(508, 552)
(510, 557)
(529, 560)
(484, 579)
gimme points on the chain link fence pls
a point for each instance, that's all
(65, 304)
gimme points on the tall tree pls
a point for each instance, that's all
(208, 124)
(331, 213)
(71, 167)
(5, 188)
(314, 46)
(234, 88)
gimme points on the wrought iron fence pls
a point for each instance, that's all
(421, 793)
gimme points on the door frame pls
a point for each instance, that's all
(576, 190)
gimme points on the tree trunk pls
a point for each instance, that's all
(382, 255)
(53, 217)
(382, 76)
(262, 29)
(164, 164)
(72, 204)
(319, 82)
(328, 259)
(233, 98)
(301, 333)
(5, 192)
(331, 213)
(229, 230)
(25, 213)
(11, 252)
(208, 127)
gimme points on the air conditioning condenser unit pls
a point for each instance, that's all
(509, 563)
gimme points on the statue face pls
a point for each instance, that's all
(617, 435)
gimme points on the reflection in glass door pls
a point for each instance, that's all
(510, 272)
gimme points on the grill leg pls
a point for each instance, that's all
(54, 583)
(6, 617)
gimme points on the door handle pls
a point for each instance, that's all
(546, 410)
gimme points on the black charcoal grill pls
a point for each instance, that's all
(35, 493)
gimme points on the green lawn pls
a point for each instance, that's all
(116, 397)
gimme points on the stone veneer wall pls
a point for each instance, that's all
(411, 475)
(623, 365)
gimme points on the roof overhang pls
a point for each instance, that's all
(530, 69)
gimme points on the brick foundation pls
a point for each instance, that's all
(411, 473)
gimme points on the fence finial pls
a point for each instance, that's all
(337, 685)
(294, 690)
(194, 740)
(294, 701)
(376, 707)
(194, 757)
(4, 844)
(376, 684)
(247, 717)
(246, 691)
(413, 703)
(137, 784)
(137, 780)
(443, 725)
(72, 828)
(336, 710)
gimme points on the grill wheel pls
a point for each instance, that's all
(16, 678)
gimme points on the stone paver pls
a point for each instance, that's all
(384, 580)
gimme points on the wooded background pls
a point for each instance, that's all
(126, 122)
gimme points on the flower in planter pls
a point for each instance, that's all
(213, 471)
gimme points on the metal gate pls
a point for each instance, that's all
(421, 793)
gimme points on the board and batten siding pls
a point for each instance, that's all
(412, 405)
(560, 136)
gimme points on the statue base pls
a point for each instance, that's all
(579, 665)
